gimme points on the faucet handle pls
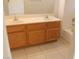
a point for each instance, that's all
(47, 16)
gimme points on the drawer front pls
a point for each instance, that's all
(37, 26)
(53, 24)
(15, 28)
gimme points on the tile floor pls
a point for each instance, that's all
(54, 50)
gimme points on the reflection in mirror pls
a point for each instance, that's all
(22, 7)
(38, 6)
(16, 7)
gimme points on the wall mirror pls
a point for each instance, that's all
(22, 7)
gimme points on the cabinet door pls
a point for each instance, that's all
(52, 34)
(36, 37)
(17, 39)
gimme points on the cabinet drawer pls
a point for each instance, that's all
(53, 24)
(37, 26)
(15, 28)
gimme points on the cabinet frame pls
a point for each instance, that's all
(45, 30)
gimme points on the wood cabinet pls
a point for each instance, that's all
(53, 25)
(17, 39)
(36, 26)
(53, 31)
(31, 34)
(52, 34)
(36, 33)
(15, 28)
(36, 37)
(17, 36)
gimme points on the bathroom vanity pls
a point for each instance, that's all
(32, 31)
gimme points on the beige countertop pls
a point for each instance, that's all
(9, 20)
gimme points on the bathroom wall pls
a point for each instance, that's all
(61, 7)
(65, 10)
(5, 6)
(69, 14)
(38, 6)
(58, 10)
(6, 48)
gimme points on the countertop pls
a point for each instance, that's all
(9, 20)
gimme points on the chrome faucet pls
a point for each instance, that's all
(15, 19)
(47, 17)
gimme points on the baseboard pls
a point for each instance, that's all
(66, 35)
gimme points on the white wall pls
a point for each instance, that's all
(64, 9)
(39, 6)
(68, 14)
(6, 48)
(56, 5)
(67, 17)
(5, 5)
(61, 6)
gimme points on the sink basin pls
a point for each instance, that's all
(17, 21)
(13, 22)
